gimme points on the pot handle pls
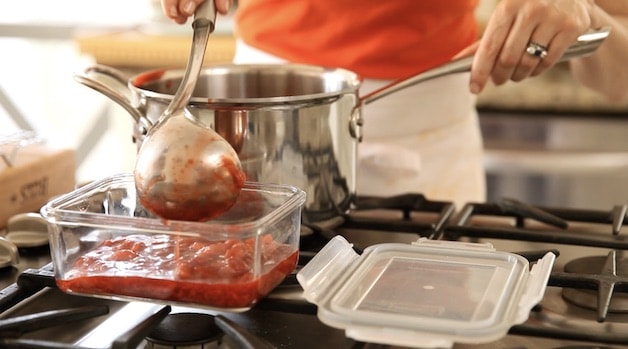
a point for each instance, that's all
(87, 78)
(586, 44)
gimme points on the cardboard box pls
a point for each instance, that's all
(37, 174)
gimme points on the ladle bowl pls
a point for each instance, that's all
(184, 169)
(196, 177)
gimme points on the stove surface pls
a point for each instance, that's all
(285, 320)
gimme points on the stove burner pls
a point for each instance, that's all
(185, 329)
(598, 278)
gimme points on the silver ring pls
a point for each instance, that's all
(536, 50)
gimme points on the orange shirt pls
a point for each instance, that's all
(387, 39)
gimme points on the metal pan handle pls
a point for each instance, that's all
(586, 44)
(88, 77)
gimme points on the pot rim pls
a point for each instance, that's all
(335, 81)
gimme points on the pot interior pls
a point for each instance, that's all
(245, 84)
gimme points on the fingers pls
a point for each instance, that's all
(555, 49)
(223, 6)
(171, 10)
(180, 10)
(512, 59)
(515, 24)
(489, 49)
(538, 39)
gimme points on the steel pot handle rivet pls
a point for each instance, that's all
(355, 124)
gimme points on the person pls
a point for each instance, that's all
(426, 138)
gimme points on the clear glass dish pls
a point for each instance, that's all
(104, 243)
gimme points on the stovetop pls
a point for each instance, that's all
(585, 305)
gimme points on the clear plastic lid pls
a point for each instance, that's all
(427, 294)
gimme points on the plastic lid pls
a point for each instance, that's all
(427, 294)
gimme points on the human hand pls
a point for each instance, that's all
(514, 25)
(180, 10)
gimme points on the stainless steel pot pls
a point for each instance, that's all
(290, 123)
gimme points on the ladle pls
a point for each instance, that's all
(184, 169)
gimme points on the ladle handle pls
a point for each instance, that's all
(205, 15)
(203, 25)
(586, 44)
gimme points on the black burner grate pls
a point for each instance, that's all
(409, 206)
(555, 231)
(554, 226)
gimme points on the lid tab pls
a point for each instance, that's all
(456, 245)
(535, 286)
(329, 264)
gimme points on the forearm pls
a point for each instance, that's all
(606, 70)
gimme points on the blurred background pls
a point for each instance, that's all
(529, 127)
(43, 43)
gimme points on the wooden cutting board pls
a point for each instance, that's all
(134, 49)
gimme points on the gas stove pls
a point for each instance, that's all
(585, 304)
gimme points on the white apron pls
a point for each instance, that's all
(423, 139)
